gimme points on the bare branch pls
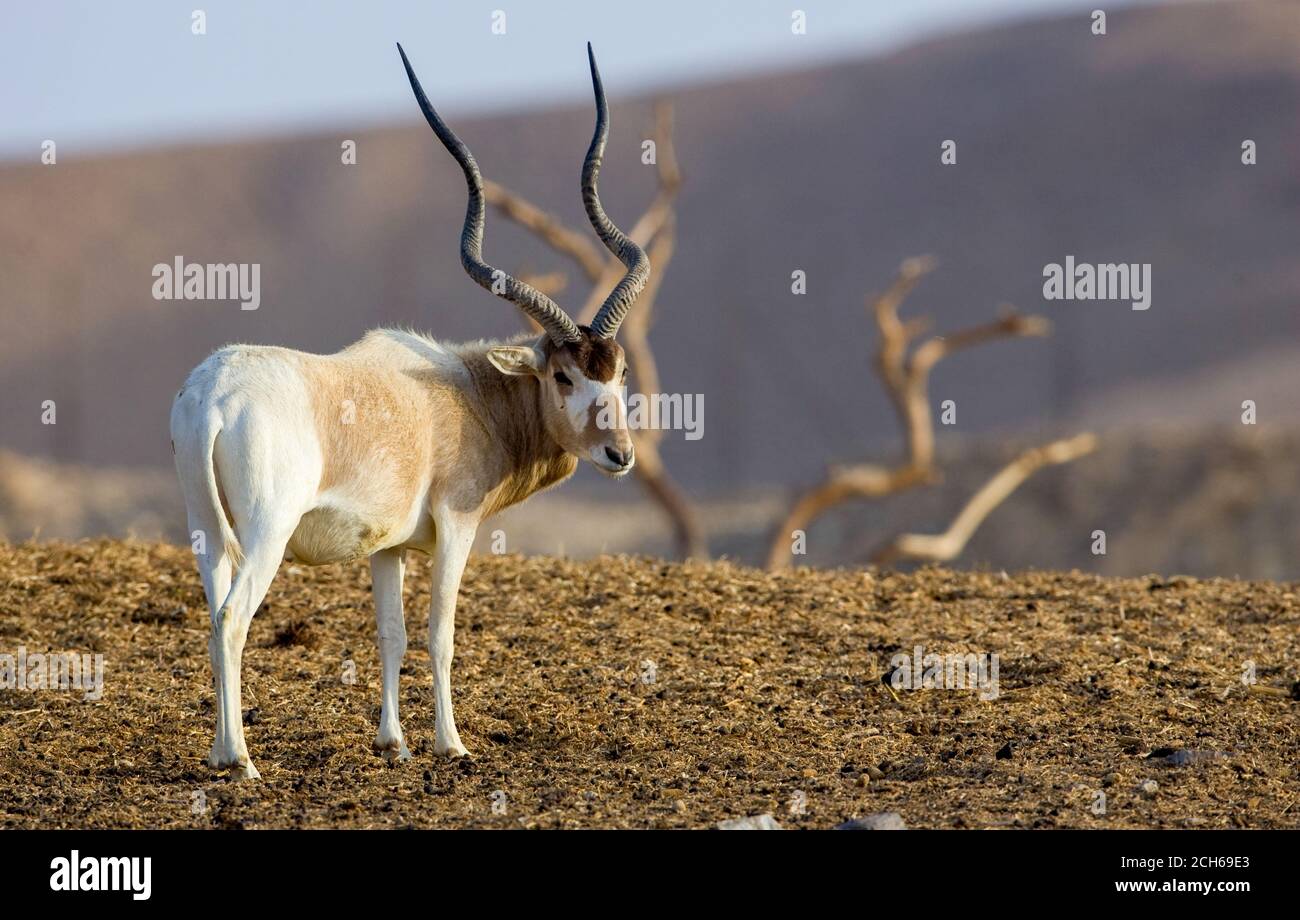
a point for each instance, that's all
(906, 379)
(1009, 324)
(670, 175)
(687, 532)
(563, 239)
(912, 399)
(839, 486)
(949, 545)
(636, 328)
(891, 359)
(649, 467)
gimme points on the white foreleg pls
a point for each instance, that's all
(386, 570)
(455, 534)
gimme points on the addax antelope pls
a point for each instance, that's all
(397, 442)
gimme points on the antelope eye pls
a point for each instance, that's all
(563, 379)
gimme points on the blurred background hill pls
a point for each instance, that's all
(1124, 147)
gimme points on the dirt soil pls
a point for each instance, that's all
(635, 693)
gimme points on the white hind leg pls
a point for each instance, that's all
(216, 571)
(229, 633)
(246, 445)
(268, 479)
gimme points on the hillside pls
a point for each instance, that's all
(1222, 501)
(1123, 147)
(633, 693)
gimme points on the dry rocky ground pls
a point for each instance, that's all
(625, 692)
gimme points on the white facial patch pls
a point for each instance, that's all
(586, 394)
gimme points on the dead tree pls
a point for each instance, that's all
(655, 231)
(906, 378)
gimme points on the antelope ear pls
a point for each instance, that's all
(517, 360)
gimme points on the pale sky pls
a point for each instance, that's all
(104, 75)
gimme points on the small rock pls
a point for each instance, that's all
(752, 823)
(883, 821)
(1148, 788)
(1182, 757)
(874, 773)
(1110, 779)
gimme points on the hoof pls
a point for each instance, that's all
(450, 750)
(239, 769)
(395, 755)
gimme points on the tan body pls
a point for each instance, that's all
(404, 425)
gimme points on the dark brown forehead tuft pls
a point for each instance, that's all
(597, 358)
